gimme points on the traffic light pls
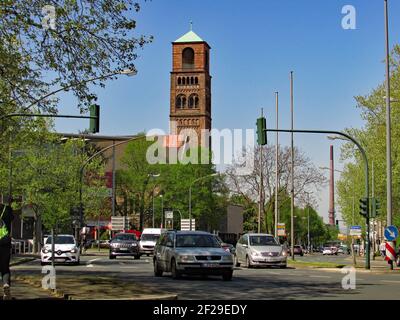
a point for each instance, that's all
(364, 202)
(94, 123)
(376, 205)
(261, 131)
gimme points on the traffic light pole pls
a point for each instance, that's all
(365, 159)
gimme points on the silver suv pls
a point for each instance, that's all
(257, 249)
(191, 252)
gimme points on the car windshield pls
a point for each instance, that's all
(327, 248)
(197, 240)
(61, 240)
(124, 237)
(149, 237)
(263, 241)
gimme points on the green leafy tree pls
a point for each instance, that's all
(373, 138)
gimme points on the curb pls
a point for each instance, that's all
(22, 261)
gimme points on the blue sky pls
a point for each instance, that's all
(255, 44)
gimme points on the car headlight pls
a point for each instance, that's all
(44, 250)
(186, 258)
(73, 250)
(227, 258)
(134, 244)
(284, 253)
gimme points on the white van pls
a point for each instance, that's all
(148, 240)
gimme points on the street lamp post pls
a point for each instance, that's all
(388, 123)
(190, 196)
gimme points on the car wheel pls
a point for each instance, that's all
(43, 263)
(157, 271)
(248, 263)
(137, 257)
(112, 257)
(237, 263)
(283, 267)
(227, 276)
(175, 273)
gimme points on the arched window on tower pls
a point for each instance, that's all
(179, 81)
(194, 101)
(180, 102)
(191, 81)
(196, 80)
(188, 58)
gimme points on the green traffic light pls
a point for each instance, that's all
(261, 131)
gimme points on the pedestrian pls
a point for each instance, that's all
(6, 216)
(382, 248)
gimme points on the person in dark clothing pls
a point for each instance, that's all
(6, 216)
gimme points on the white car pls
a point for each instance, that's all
(148, 240)
(65, 250)
(328, 251)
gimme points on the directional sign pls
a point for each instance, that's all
(185, 224)
(355, 231)
(391, 233)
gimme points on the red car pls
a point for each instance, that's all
(298, 250)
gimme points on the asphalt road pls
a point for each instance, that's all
(263, 283)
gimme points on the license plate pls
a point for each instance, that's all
(210, 265)
(123, 249)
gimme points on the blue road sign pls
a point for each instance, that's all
(391, 233)
(355, 230)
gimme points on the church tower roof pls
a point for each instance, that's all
(190, 36)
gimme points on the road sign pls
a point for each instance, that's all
(169, 214)
(391, 233)
(355, 230)
(119, 223)
(185, 224)
(281, 230)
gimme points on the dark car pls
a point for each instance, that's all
(298, 250)
(124, 244)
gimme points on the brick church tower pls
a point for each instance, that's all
(190, 103)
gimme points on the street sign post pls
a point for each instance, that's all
(355, 231)
(391, 233)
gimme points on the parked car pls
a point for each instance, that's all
(148, 240)
(66, 250)
(327, 251)
(257, 249)
(124, 244)
(191, 252)
(297, 249)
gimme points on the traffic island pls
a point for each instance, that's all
(88, 287)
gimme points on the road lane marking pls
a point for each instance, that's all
(91, 261)
(319, 276)
(391, 281)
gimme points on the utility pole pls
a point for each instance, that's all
(113, 181)
(260, 206)
(373, 220)
(388, 123)
(292, 168)
(276, 166)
